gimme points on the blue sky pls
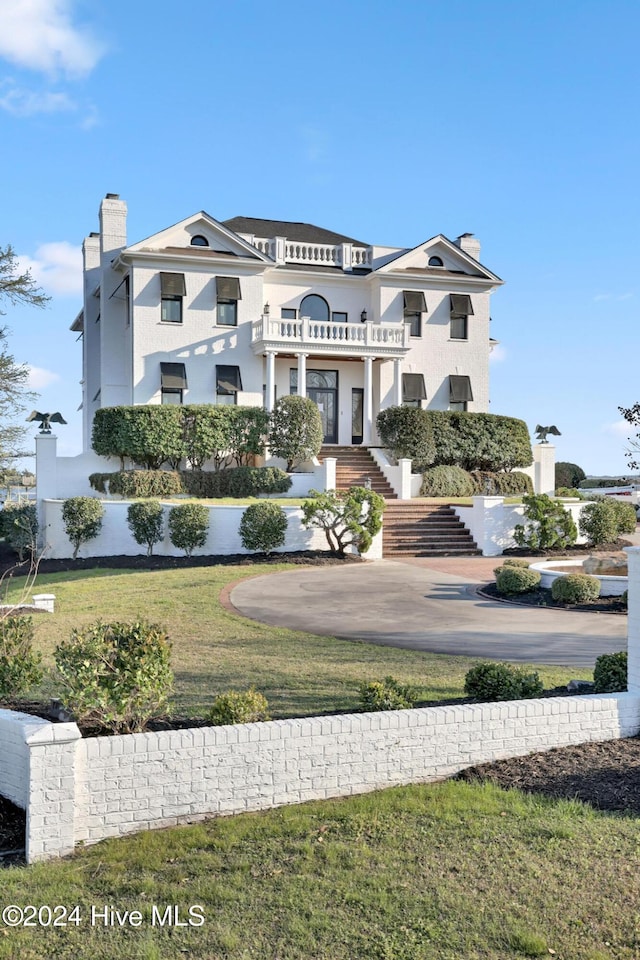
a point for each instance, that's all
(514, 121)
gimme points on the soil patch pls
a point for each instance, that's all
(541, 597)
(570, 553)
(604, 775)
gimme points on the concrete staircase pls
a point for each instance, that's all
(425, 530)
(354, 466)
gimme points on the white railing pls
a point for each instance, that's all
(306, 330)
(344, 255)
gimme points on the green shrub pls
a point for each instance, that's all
(138, 484)
(515, 562)
(252, 481)
(208, 436)
(100, 482)
(82, 518)
(350, 518)
(568, 474)
(569, 492)
(603, 522)
(610, 673)
(20, 527)
(20, 664)
(624, 598)
(296, 432)
(188, 526)
(490, 681)
(263, 527)
(501, 484)
(387, 694)
(117, 675)
(238, 707)
(407, 433)
(512, 580)
(208, 484)
(248, 430)
(575, 588)
(146, 522)
(547, 524)
(148, 435)
(480, 441)
(447, 482)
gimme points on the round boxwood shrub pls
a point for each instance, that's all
(188, 526)
(515, 562)
(500, 681)
(146, 522)
(82, 518)
(610, 673)
(387, 694)
(238, 707)
(512, 580)
(447, 482)
(263, 527)
(575, 588)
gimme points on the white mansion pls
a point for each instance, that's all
(248, 310)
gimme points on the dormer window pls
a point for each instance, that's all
(436, 262)
(199, 241)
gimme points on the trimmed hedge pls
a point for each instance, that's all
(501, 484)
(491, 681)
(576, 588)
(296, 430)
(447, 482)
(480, 441)
(512, 580)
(408, 433)
(232, 482)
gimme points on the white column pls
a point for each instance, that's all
(302, 374)
(397, 382)
(271, 380)
(633, 620)
(46, 477)
(367, 413)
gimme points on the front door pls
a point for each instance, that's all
(326, 400)
(357, 404)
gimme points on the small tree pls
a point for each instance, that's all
(263, 527)
(296, 430)
(82, 518)
(348, 519)
(146, 522)
(568, 474)
(20, 664)
(188, 526)
(116, 674)
(547, 525)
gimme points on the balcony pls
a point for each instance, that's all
(347, 256)
(330, 338)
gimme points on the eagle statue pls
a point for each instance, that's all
(45, 420)
(541, 433)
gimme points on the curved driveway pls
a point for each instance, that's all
(419, 607)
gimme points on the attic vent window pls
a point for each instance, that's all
(199, 241)
(436, 262)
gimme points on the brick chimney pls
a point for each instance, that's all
(113, 223)
(469, 244)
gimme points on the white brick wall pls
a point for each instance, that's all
(86, 790)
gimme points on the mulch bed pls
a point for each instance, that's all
(571, 553)
(541, 597)
(604, 775)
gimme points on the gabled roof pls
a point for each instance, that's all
(406, 261)
(161, 241)
(303, 232)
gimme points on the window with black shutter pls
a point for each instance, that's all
(414, 305)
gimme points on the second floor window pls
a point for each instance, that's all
(414, 305)
(172, 290)
(173, 381)
(227, 296)
(461, 310)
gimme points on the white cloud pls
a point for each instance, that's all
(57, 267)
(39, 378)
(619, 428)
(612, 296)
(498, 354)
(25, 103)
(40, 35)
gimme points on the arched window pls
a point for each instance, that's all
(314, 307)
(199, 241)
(436, 262)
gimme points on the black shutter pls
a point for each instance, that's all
(460, 389)
(228, 288)
(461, 305)
(414, 301)
(172, 285)
(413, 387)
(228, 380)
(173, 376)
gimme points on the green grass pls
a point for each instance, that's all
(215, 650)
(453, 871)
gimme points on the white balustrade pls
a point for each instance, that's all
(305, 330)
(322, 254)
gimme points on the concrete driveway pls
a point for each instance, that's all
(418, 605)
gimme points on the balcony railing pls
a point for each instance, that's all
(347, 256)
(331, 335)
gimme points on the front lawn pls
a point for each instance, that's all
(216, 650)
(453, 871)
